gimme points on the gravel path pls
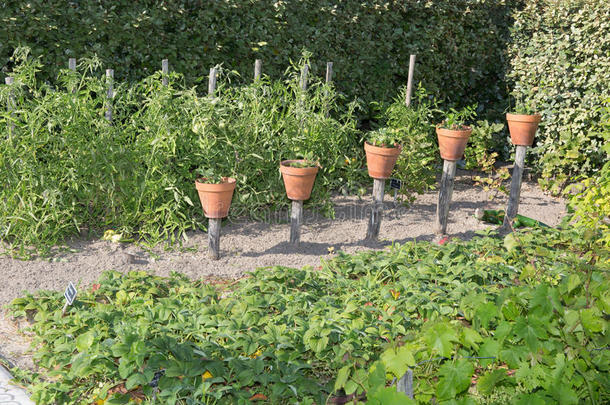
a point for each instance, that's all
(246, 245)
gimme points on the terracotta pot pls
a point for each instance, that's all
(452, 142)
(522, 128)
(380, 161)
(298, 180)
(215, 198)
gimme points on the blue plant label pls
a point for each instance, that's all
(395, 184)
(70, 293)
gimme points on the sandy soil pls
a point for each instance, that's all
(246, 245)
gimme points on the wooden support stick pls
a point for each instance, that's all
(11, 106)
(212, 81)
(110, 93)
(304, 73)
(372, 233)
(329, 72)
(515, 186)
(444, 196)
(296, 218)
(405, 384)
(72, 64)
(214, 237)
(165, 72)
(410, 80)
(258, 69)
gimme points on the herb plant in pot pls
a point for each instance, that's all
(215, 193)
(299, 176)
(453, 133)
(523, 123)
(382, 151)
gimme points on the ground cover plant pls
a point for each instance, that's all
(519, 319)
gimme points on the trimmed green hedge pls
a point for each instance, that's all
(458, 43)
(560, 58)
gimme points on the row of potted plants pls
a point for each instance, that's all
(382, 151)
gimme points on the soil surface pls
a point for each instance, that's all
(246, 245)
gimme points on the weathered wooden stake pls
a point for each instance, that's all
(110, 93)
(214, 237)
(444, 196)
(372, 232)
(10, 106)
(258, 69)
(515, 186)
(304, 73)
(329, 72)
(72, 64)
(212, 81)
(296, 219)
(410, 80)
(165, 72)
(405, 384)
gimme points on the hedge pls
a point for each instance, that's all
(560, 58)
(458, 43)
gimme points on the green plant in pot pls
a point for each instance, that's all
(215, 192)
(453, 133)
(382, 150)
(523, 122)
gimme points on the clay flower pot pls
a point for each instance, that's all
(522, 128)
(215, 198)
(298, 180)
(380, 161)
(452, 142)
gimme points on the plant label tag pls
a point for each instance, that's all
(70, 293)
(395, 184)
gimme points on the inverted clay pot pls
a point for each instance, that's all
(215, 198)
(380, 161)
(522, 128)
(452, 142)
(298, 180)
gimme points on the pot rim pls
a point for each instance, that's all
(396, 146)
(454, 133)
(524, 117)
(298, 171)
(228, 183)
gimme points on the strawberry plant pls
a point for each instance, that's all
(518, 319)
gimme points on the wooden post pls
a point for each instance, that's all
(329, 72)
(372, 232)
(212, 81)
(10, 106)
(405, 384)
(110, 93)
(72, 64)
(410, 80)
(258, 69)
(296, 218)
(444, 196)
(214, 238)
(515, 186)
(304, 73)
(165, 72)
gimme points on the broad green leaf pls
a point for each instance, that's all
(592, 321)
(441, 338)
(397, 361)
(455, 378)
(84, 341)
(489, 380)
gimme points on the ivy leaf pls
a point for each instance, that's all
(488, 381)
(455, 378)
(441, 338)
(397, 361)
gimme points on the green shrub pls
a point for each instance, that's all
(66, 169)
(560, 61)
(458, 43)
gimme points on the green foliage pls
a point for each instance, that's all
(65, 168)
(458, 43)
(458, 119)
(480, 154)
(302, 164)
(349, 327)
(209, 176)
(559, 61)
(384, 137)
(411, 128)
